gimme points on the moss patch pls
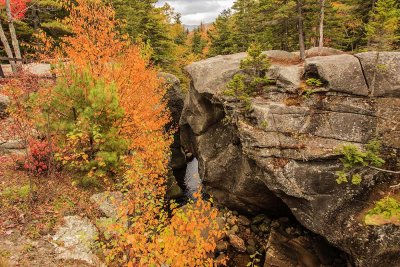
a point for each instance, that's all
(386, 211)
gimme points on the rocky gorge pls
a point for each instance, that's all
(281, 156)
(271, 169)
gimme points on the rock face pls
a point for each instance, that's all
(285, 148)
(4, 102)
(74, 240)
(108, 202)
(285, 250)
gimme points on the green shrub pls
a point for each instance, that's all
(85, 112)
(253, 78)
(353, 159)
(313, 82)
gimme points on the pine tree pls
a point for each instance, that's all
(148, 24)
(221, 35)
(198, 44)
(382, 28)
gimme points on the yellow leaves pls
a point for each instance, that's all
(153, 238)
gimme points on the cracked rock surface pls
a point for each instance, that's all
(285, 149)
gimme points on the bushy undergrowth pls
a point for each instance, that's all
(104, 118)
(39, 157)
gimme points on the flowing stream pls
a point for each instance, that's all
(192, 178)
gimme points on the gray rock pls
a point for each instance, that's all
(279, 57)
(13, 144)
(382, 70)
(324, 51)
(341, 73)
(4, 102)
(258, 219)
(283, 251)
(243, 220)
(287, 77)
(237, 243)
(40, 69)
(293, 158)
(74, 240)
(174, 95)
(108, 202)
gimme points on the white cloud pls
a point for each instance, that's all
(196, 11)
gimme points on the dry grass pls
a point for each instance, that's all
(51, 199)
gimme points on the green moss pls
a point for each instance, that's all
(18, 193)
(386, 210)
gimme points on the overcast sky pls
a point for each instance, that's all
(196, 11)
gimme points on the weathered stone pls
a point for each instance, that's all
(4, 102)
(222, 246)
(243, 220)
(40, 69)
(237, 243)
(290, 151)
(341, 73)
(381, 69)
(174, 191)
(174, 95)
(13, 144)
(279, 57)
(258, 219)
(324, 51)
(74, 240)
(287, 77)
(286, 251)
(108, 202)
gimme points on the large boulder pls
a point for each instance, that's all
(285, 149)
(382, 72)
(324, 51)
(74, 240)
(340, 73)
(285, 250)
(108, 202)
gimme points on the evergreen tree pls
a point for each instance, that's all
(198, 44)
(145, 22)
(221, 35)
(382, 28)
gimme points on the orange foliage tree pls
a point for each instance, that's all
(144, 235)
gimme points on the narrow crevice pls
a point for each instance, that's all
(364, 75)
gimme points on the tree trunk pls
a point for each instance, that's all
(13, 34)
(301, 29)
(7, 47)
(321, 25)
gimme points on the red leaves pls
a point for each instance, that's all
(39, 156)
(18, 8)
